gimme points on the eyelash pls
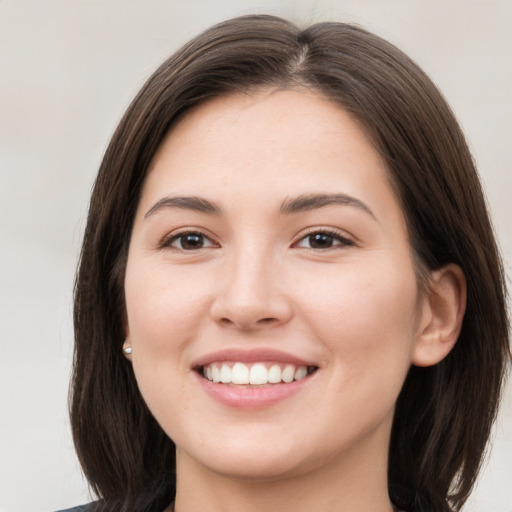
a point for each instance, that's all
(332, 234)
(168, 241)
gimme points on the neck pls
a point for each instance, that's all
(342, 484)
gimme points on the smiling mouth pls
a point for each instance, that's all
(254, 374)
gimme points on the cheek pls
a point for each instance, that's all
(165, 313)
(162, 313)
(162, 308)
(366, 323)
(364, 314)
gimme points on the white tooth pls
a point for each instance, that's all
(205, 372)
(258, 374)
(274, 374)
(209, 372)
(288, 373)
(225, 374)
(301, 372)
(239, 374)
(215, 373)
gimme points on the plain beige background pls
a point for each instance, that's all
(68, 69)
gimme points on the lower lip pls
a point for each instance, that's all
(251, 398)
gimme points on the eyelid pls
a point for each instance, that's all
(335, 233)
(166, 241)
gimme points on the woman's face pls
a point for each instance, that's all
(268, 247)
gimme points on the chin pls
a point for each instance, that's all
(249, 468)
(256, 461)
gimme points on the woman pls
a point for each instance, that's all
(289, 294)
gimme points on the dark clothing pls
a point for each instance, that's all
(84, 508)
(81, 508)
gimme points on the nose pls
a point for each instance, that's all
(251, 293)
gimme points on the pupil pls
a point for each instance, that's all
(192, 241)
(320, 241)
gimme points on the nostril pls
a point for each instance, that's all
(266, 320)
(228, 322)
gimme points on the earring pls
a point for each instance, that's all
(127, 351)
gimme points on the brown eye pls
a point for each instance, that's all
(190, 241)
(323, 240)
(320, 241)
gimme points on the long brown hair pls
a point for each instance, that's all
(444, 413)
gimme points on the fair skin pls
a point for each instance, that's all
(267, 234)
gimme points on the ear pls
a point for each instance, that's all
(441, 321)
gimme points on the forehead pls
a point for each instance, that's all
(287, 133)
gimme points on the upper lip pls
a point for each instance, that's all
(251, 356)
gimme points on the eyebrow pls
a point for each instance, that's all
(289, 206)
(314, 201)
(193, 203)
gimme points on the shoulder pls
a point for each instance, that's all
(80, 508)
